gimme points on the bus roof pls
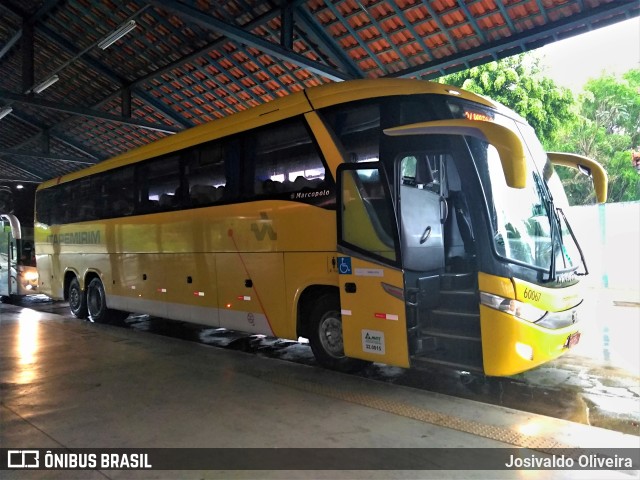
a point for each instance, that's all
(295, 104)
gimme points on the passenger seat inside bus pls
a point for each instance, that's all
(203, 194)
(458, 238)
(166, 200)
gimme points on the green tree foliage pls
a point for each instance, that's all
(603, 123)
(518, 83)
(607, 128)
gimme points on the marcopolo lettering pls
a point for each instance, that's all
(75, 238)
(301, 195)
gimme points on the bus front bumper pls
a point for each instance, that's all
(511, 345)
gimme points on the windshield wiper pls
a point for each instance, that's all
(553, 225)
(575, 240)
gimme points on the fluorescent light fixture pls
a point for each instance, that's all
(116, 35)
(41, 87)
(5, 111)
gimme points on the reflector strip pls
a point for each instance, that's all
(198, 294)
(162, 290)
(386, 316)
(246, 298)
(345, 312)
(133, 287)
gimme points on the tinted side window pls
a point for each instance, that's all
(159, 183)
(282, 161)
(52, 204)
(205, 176)
(44, 206)
(83, 200)
(113, 193)
(357, 127)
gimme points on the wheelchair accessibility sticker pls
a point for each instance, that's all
(344, 266)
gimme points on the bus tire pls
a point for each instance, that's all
(325, 336)
(97, 305)
(77, 300)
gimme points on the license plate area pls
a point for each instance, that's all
(572, 340)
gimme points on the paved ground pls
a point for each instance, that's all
(597, 384)
(68, 384)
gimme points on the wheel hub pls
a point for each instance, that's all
(331, 336)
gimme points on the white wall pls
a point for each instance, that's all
(609, 235)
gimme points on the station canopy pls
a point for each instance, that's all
(84, 80)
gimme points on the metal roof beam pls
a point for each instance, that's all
(534, 38)
(443, 30)
(80, 149)
(9, 45)
(45, 156)
(107, 72)
(351, 31)
(27, 120)
(20, 165)
(72, 50)
(42, 11)
(83, 112)
(240, 35)
(256, 22)
(410, 27)
(479, 32)
(162, 108)
(318, 35)
(27, 46)
(286, 27)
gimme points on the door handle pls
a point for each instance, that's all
(444, 210)
(425, 235)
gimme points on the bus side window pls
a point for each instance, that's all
(159, 180)
(283, 159)
(204, 173)
(356, 127)
(120, 188)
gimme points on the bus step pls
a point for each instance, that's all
(457, 323)
(461, 351)
(460, 300)
(435, 332)
(424, 363)
(458, 281)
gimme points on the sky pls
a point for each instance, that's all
(614, 49)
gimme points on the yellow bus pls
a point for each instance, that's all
(395, 221)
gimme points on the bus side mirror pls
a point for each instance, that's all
(507, 143)
(586, 166)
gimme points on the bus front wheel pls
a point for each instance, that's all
(325, 336)
(77, 300)
(97, 305)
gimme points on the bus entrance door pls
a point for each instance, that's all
(7, 280)
(371, 298)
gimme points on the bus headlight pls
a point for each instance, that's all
(30, 276)
(516, 308)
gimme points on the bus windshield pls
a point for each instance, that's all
(526, 226)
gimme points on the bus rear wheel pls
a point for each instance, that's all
(325, 336)
(77, 300)
(97, 305)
